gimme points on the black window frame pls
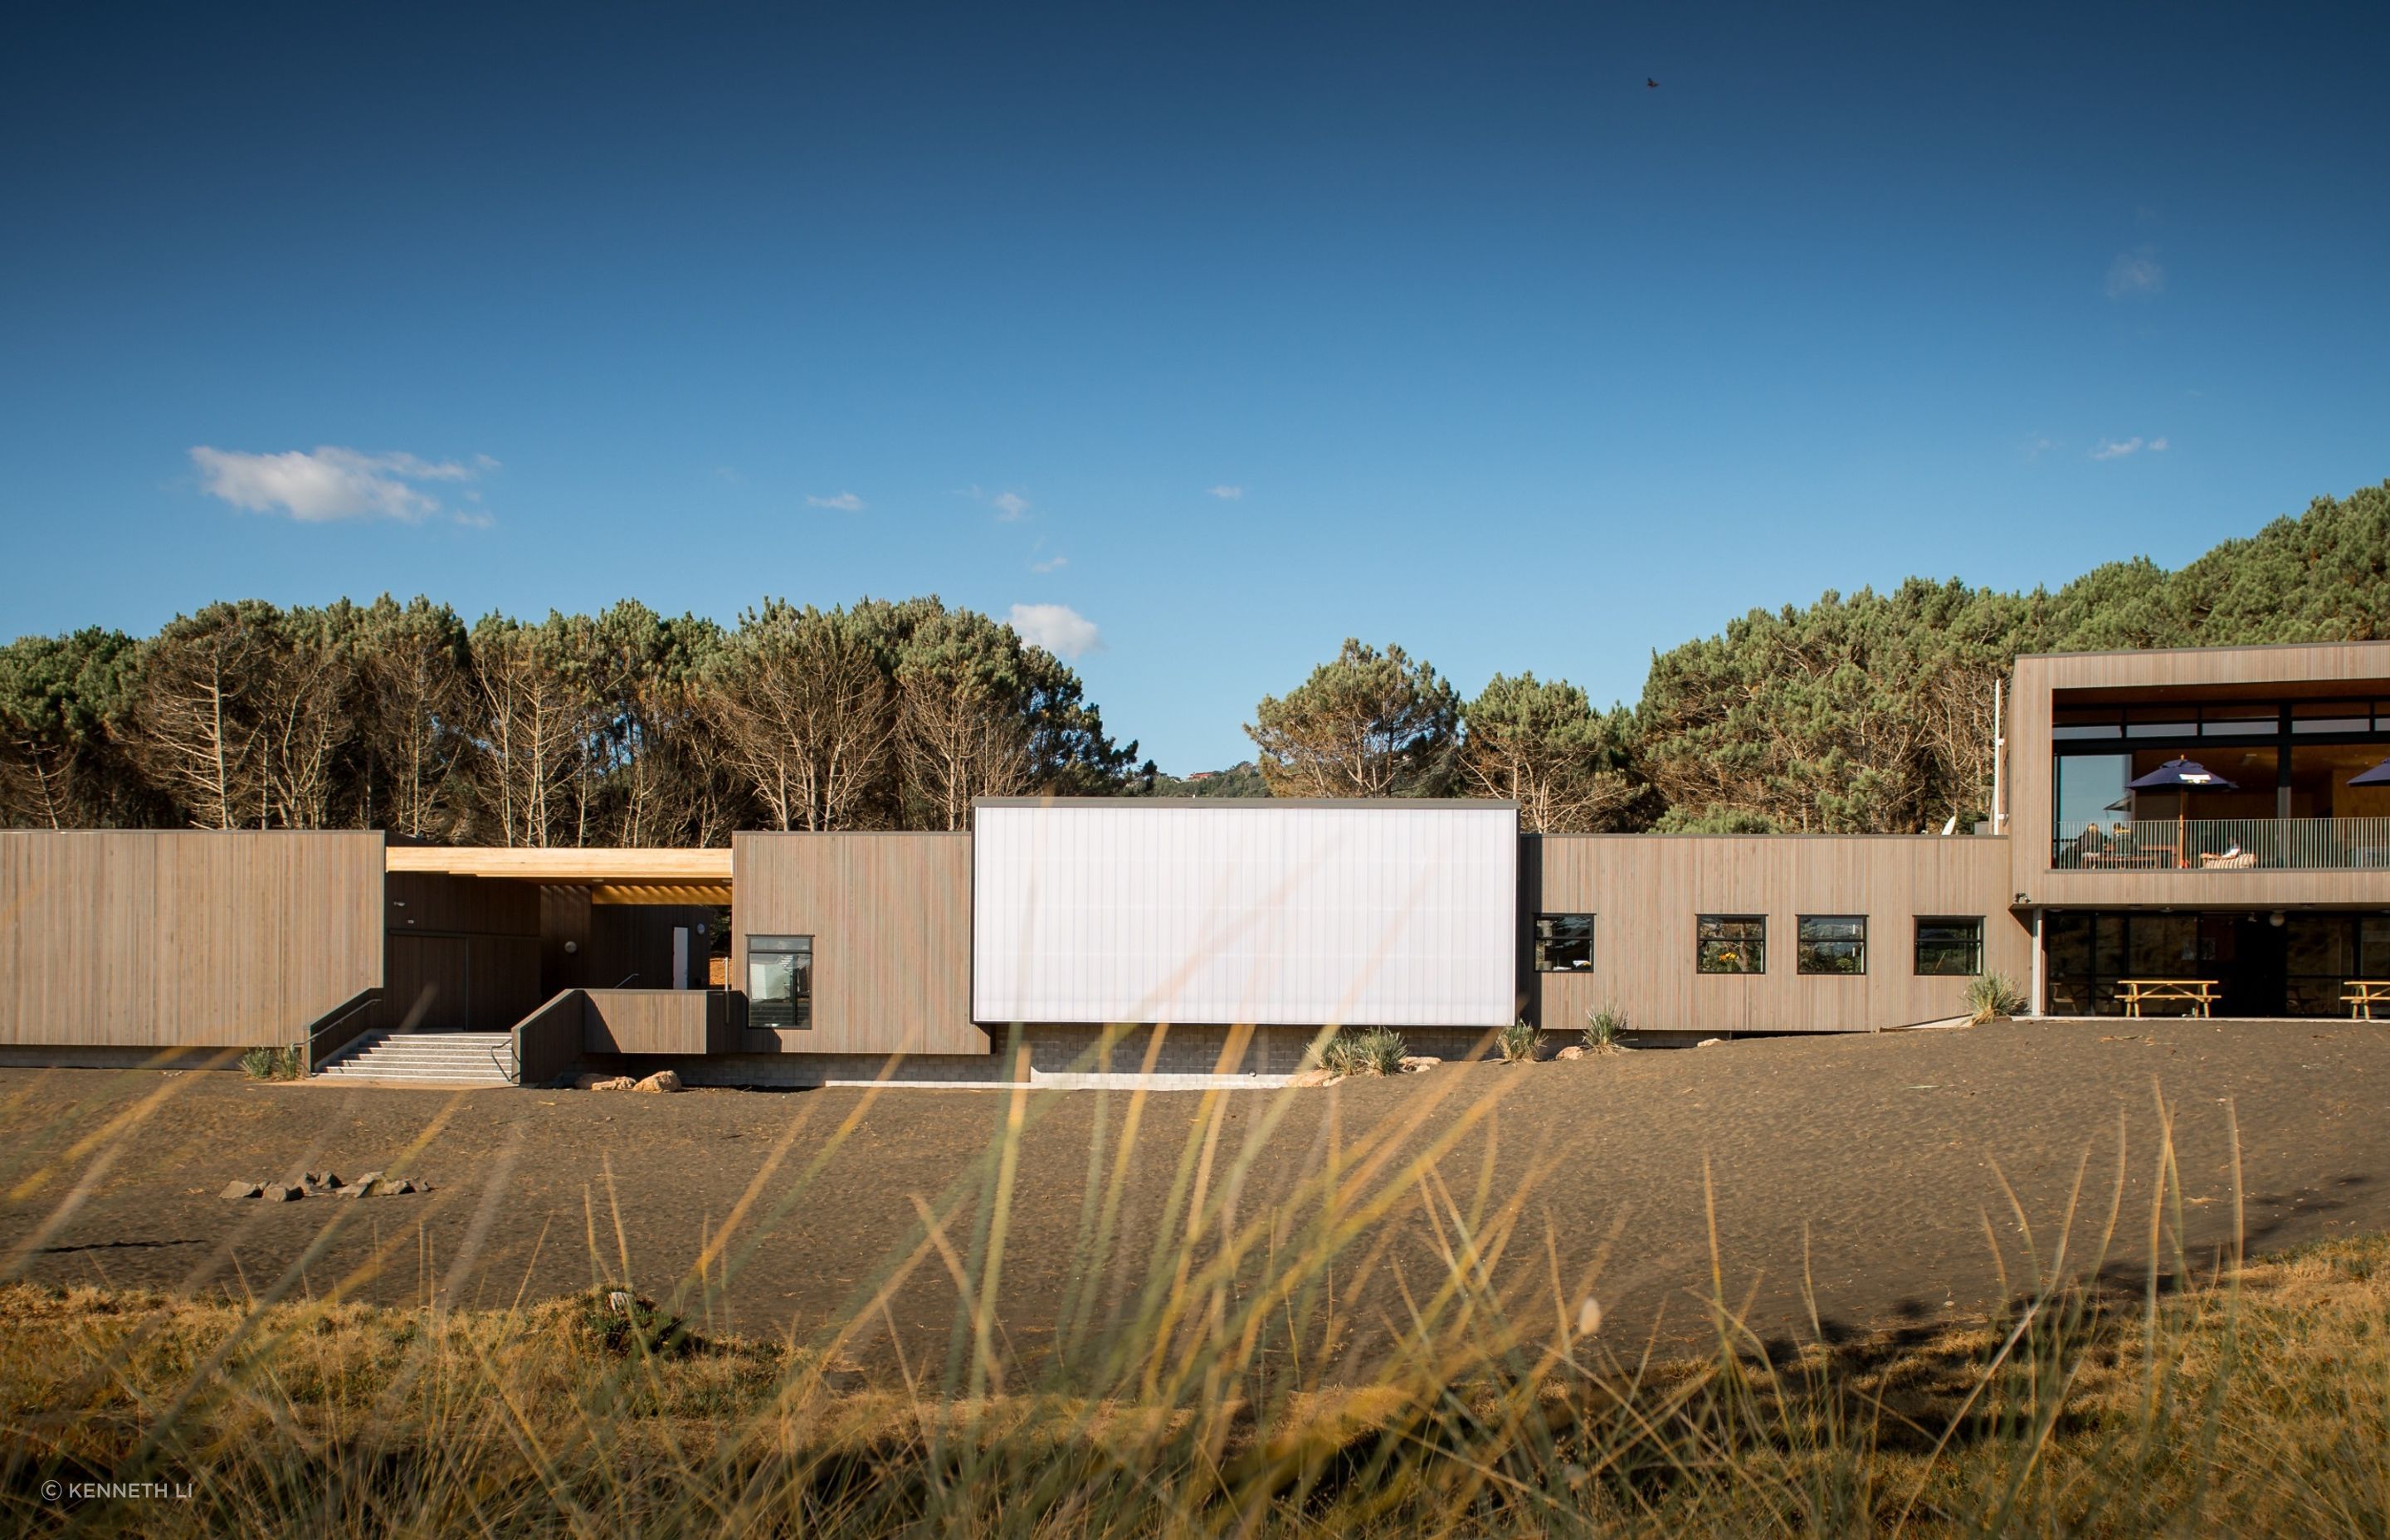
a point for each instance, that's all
(765, 1014)
(1753, 945)
(1975, 947)
(1546, 942)
(1806, 948)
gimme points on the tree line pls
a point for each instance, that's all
(1866, 713)
(1871, 713)
(626, 727)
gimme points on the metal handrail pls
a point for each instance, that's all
(2222, 845)
(319, 1055)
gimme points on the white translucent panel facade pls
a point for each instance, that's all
(1382, 915)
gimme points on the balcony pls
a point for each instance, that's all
(2223, 844)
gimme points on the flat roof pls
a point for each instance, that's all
(2222, 646)
(1489, 804)
(649, 865)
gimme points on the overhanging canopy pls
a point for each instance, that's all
(708, 868)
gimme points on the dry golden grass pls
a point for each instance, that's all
(1223, 1394)
(2256, 1404)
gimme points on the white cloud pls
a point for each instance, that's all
(2116, 449)
(321, 485)
(1057, 628)
(2037, 446)
(2136, 274)
(1051, 564)
(2157, 444)
(1227, 494)
(845, 502)
(1010, 505)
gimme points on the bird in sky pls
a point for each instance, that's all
(1651, 84)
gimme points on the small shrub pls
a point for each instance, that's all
(1992, 995)
(1517, 1042)
(620, 1321)
(1368, 1051)
(1603, 1025)
(271, 1063)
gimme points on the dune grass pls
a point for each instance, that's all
(1221, 1383)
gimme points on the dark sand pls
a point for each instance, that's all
(1882, 1157)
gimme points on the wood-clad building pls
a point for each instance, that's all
(2163, 703)
(2196, 814)
(2264, 872)
(1639, 903)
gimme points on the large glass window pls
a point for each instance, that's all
(780, 981)
(1950, 947)
(2373, 946)
(2090, 791)
(2284, 759)
(1563, 944)
(2263, 963)
(1830, 943)
(1730, 944)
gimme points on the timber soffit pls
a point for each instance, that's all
(564, 866)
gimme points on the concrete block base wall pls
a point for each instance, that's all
(1269, 1051)
(15, 1057)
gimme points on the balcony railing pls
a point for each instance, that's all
(2223, 844)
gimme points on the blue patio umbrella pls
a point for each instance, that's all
(2378, 776)
(2183, 777)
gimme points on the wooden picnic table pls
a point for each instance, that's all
(2362, 994)
(2199, 993)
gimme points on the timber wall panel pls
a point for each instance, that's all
(890, 914)
(2317, 670)
(656, 1022)
(145, 937)
(1646, 890)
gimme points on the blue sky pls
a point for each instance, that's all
(1208, 336)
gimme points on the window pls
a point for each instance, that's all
(1730, 944)
(780, 981)
(1950, 947)
(1563, 944)
(2330, 716)
(2090, 789)
(1832, 944)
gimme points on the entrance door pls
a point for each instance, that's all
(2254, 971)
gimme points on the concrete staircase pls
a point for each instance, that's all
(428, 1058)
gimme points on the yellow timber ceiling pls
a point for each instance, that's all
(675, 894)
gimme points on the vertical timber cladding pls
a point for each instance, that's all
(2286, 671)
(464, 952)
(184, 939)
(1646, 889)
(1229, 911)
(890, 914)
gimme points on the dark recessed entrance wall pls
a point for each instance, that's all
(619, 946)
(2261, 969)
(462, 953)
